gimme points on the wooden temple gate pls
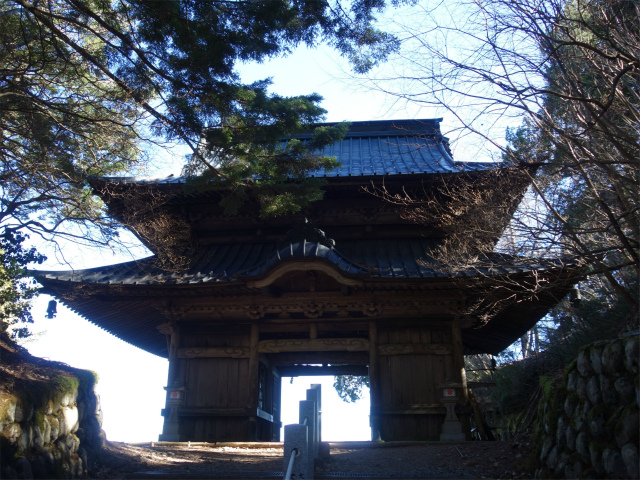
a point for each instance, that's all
(229, 373)
(257, 300)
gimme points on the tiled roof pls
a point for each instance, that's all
(393, 155)
(216, 264)
(400, 147)
(132, 319)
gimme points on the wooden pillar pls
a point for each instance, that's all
(458, 358)
(175, 387)
(460, 372)
(252, 401)
(374, 381)
(172, 330)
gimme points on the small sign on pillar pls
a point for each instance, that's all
(170, 430)
(451, 428)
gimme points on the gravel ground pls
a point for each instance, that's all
(347, 460)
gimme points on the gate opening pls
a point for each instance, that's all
(341, 421)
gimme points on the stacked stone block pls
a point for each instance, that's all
(588, 423)
(52, 436)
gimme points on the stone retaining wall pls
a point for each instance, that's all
(51, 428)
(588, 420)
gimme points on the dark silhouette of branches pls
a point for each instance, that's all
(562, 77)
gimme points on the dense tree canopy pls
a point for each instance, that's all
(82, 82)
(88, 86)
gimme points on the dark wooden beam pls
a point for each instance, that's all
(303, 326)
(312, 370)
(214, 352)
(294, 358)
(216, 412)
(224, 412)
(415, 349)
(264, 415)
(418, 409)
(313, 345)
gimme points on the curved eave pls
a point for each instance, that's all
(132, 320)
(127, 299)
(519, 309)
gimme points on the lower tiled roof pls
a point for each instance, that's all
(99, 293)
(216, 264)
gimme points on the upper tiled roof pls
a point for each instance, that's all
(373, 148)
(392, 155)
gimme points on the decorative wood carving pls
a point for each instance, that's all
(371, 310)
(303, 266)
(214, 352)
(316, 344)
(415, 349)
(384, 304)
(255, 312)
(171, 311)
(165, 328)
(313, 311)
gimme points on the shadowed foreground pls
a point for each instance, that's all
(347, 460)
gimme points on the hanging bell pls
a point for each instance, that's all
(51, 309)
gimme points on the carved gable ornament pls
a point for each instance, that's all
(305, 248)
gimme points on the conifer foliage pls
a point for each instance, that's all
(82, 82)
(86, 86)
(15, 289)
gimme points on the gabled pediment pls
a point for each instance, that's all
(305, 256)
(305, 275)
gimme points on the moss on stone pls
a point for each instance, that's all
(39, 418)
(513, 420)
(66, 384)
(6, 399)
(546, 385)
(584, 348)
(572, 397)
